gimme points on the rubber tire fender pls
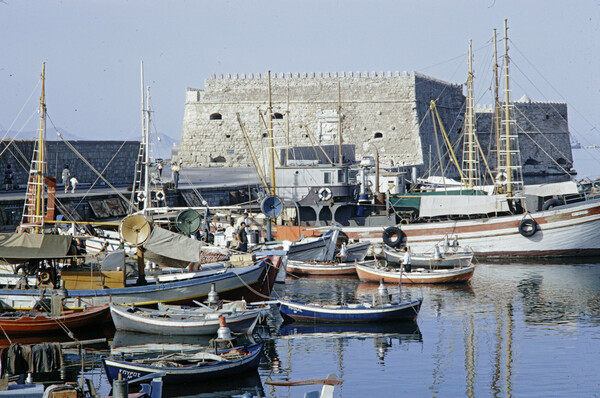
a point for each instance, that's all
(392, 236)
(550, 203)
(528, 227)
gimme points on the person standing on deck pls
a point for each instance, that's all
(159, 166)
(229, 232)
(175, 168)
(66, 177)
(243, 238)
(407, 261)
(8, 178)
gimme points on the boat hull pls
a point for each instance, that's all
(368, 272)
(315, 250)
(129, 370)
(180, 324)
(251, 283)
(569, 230)
(45, 323)
(314, 268)
(348, 314)
(428, 261)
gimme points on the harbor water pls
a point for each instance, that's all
(518, 329)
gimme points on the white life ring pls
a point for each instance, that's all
(160, 195)
(501, 178)
(325, 193)
(140, 196)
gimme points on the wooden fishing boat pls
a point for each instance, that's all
(252, 282)
(320, 268)
(370, 271)
(359, 312)
(435, 260)
(188, 368)
(179, 322)
(34, 322)
(314, 249)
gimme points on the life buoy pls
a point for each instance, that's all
(160, 195)
(551, 203)
(501, 178)
(528, 227)
(140, 196)
(325, 193)
(355, 194)
(392, 236)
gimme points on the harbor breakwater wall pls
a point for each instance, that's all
(114, 159)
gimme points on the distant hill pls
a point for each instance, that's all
(50, 136)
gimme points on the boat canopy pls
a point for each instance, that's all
(551, 189)
(172, 249)
(17, 248)
(442, 205)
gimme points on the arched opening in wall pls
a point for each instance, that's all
(277, 115)
(561, 161)
(325, 215)
(378, 135)
(531, 162)
(265, 135)
(216, 116)
(218, 159)
(227, 135)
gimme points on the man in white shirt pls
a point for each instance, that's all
(407, 261)
(229, 232)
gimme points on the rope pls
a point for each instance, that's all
(252, 289)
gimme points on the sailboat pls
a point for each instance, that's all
(498, 225)
(61, 279)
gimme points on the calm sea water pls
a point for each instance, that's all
(518, 329)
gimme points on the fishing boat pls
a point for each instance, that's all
(320, 268)
(188, 368)
(435, 260)
(381, 309)
(313, 249)
(37, 322)
(179, 322)
(511, 220)
(371, 271)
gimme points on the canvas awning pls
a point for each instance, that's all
(443, 205)
(171, 249)
(17, 248)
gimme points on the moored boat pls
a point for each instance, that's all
(435, 260)
(322, 268)
(370, 271)
(188, 368)
(180, 322)
(34, 322)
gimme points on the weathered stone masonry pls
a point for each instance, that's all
(383, 111)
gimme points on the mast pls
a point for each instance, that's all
(33, 209)
(271, 152)
(470, 160)
(497, 119)
(146, 138)
(340, 153)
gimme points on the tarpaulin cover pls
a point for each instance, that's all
(435, 205)
(16, 248)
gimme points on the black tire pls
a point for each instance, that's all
(549, 204)
(528, 227)
(393, 236)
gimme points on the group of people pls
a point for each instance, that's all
(69, 180)
(175, 169)
(236, 234)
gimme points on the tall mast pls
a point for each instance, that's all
(271, 152)
(497, 120)
(340, 152)
(147, 198)
(470, 158)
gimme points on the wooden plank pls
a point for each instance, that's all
(86, 279)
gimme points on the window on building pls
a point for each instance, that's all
(265, 135)
(341, 176)
(327, 178)
(216, 116)
(378, 135)
(277, 115)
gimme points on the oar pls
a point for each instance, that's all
(331, 382)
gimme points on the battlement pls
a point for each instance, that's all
(310, 75)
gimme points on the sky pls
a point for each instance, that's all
(93, 51)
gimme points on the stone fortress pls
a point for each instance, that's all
(380, 112)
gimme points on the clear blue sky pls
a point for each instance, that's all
(93, 50)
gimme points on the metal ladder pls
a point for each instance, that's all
(137, 188)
